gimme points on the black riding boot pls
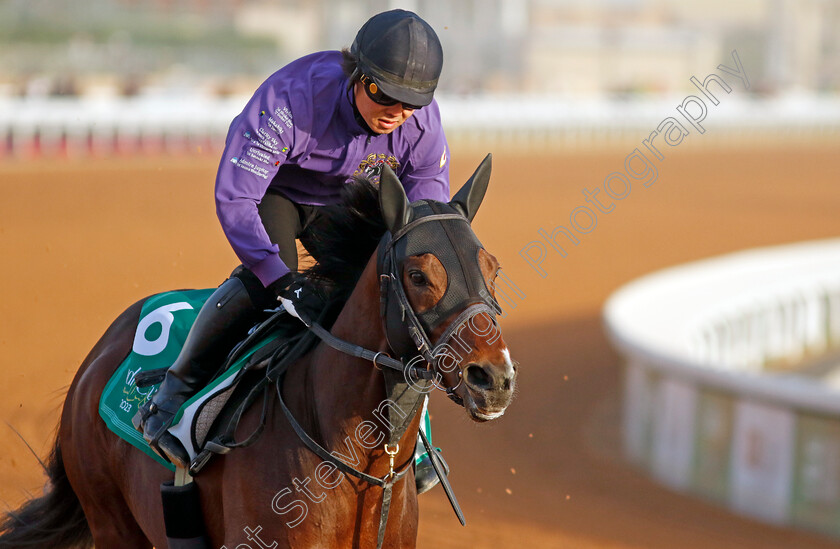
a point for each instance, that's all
(425, 476)
(222, 320)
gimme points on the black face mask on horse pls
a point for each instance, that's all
(442, 230)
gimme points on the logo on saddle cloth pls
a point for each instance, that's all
(371, 167)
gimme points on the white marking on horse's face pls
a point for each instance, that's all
(508, 363)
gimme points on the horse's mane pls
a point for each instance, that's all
(342, 246)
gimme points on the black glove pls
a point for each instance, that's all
(300, 299)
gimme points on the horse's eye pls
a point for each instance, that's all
(418, 278)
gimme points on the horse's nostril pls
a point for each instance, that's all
(507, 384)
(478, 377)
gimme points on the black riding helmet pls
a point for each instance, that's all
(401, 54)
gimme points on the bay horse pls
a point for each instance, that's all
(277, 493)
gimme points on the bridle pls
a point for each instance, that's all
(408, 338)
(391, 289)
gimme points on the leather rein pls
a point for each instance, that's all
(397, 374)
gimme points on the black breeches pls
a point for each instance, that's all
(284, 221)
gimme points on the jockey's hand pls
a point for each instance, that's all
(300, 299)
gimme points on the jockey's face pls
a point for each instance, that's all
(380, 118)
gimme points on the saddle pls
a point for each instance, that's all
(206, 424)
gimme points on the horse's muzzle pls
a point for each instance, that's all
(488, 389)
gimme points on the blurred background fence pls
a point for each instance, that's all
(128, 75)
(731, 378)
(78, 127)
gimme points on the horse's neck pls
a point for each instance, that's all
(346, 390)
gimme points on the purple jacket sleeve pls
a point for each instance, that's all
(427, 173)
(259, 140)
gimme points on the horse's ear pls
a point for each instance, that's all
(392, 200)
(469, 197)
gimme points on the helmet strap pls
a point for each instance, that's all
(353, 78)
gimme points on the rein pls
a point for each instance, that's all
(377, 358)
(406, 395)
(386, 483)
(409, 399)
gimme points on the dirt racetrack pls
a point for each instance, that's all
(82, 240)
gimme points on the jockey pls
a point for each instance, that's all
(308, 129)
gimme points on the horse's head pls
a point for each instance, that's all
(438, 299)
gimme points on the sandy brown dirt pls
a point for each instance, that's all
(81, 241)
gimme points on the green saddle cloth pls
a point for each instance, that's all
(165, 321)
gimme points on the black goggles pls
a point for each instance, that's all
(375, 94)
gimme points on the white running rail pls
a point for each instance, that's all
(190, 123)
(712, 405)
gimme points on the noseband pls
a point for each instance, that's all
(408, 337)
